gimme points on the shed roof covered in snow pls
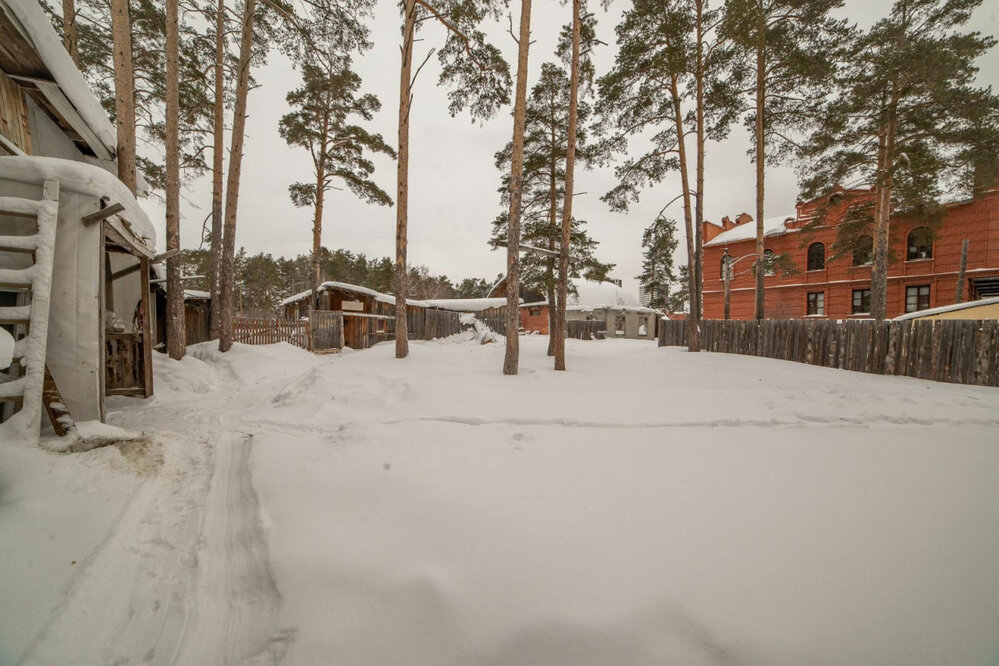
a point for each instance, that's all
(133, 224)
(466, 304)
(597, 295)
(35, 56)
(350, 288)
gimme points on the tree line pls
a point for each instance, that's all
(262, 281)
(894, 108)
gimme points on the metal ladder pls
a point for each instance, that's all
(36, 282)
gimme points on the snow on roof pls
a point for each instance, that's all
(352, 288)
(194, 293)
(466, 304)
(595, 295)
(948, 308)
(772, 226)
(133, 223)
(36, 27)
(600, 294)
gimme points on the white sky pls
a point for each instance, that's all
(453, 182)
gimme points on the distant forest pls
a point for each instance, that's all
(261, 281)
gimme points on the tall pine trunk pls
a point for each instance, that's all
(882, 209)
(693, 338)
(570, 167)
(550, 261)
(70, 36)
(760, 309)
(317, 231)
(227, 269)
(176, 344)
(124, 91)
(695, 306)
(402, 180)
(218, 152)
(511, 359)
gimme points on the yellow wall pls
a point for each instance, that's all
(977, 312)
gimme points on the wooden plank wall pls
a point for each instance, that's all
(945, 350)
(584, 330)
(14, 114)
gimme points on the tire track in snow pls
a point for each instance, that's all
(236, 597)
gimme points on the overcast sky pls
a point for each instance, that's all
(453, 181)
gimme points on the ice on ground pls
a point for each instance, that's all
(648, 506)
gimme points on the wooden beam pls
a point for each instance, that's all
(147, 333)
(169, 254)
(102, 214)
(62, 420)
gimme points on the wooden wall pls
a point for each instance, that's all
(14, 114)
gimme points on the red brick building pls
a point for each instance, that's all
(807, 280)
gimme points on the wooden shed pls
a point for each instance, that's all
(76, 247)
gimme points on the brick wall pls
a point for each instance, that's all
(787, 295)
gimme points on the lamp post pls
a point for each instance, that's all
(727, 274)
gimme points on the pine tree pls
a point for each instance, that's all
(906, 120)
(511, 358)
(671, 79)
(546, 137)
(784, 46)
(324, 106)
(175, 332)
(658, 275)
(479, 79)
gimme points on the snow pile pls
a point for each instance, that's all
(646, 507)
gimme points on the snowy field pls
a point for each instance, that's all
(647, 507)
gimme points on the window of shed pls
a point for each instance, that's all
(816, 257)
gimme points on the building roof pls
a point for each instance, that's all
(772, 226)
(351, 288)
(61, 81)
(133, 224)
(466, 304)
(599, 295)
(948, 308)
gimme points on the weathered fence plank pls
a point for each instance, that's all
(957, 351)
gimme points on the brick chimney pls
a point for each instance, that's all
(727, 223)
(743, 218)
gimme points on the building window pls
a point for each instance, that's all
(619, 325)
(816, 257)
(861, 301)
(769, 262)
(917, 298)
(920, 244)
(816, 302)
(863, 253)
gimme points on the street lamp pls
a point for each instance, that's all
(727, 273)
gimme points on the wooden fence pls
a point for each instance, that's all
(330, 330)
(261, 331)
(585, 330)
(945, 350)
(494, 318)
(326, 327)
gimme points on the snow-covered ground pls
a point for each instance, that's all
(647, 507)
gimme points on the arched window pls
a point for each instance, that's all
(769, 262)
(816, 257)
(920, 244)
(863, 253)
(722, 270)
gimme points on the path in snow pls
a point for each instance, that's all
(647, 507)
